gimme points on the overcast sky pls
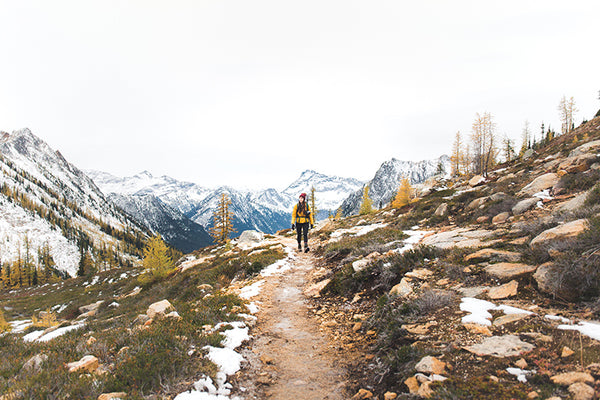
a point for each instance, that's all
(251, 93)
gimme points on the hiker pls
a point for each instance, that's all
(302, 219)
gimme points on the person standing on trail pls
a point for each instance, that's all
(302, 219)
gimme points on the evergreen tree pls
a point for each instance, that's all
(313, 203)
(456, 157)
(366, 206)
(223, 221)
(403, 196)
(338, 214)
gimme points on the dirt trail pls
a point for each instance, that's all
(289, 357)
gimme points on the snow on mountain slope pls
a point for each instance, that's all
(385, 183)
(47, 200)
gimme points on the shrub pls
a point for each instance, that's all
(4, 326)
(574, 277)
(579, 181)
(480, 388)
(593, 197)
(432, 300)
(46, 320)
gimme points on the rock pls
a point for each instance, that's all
(91, 340)
(477, 203)
(589, 147)
(540, 183)
(34, 364)
(564, 231)
(315, 289)
(441, 210)
(266, 359)
(420, 273)
(90, 307)
(506, 271)
(533, 395)
(493, 255)
(499, 196)
(141, 319)
(521, 363)
(524, 205)
(575, 203)
(403, 289)
(483, 219)
(88, 363)
(538, 337)
(500, 346)
(477, 329)
(519, 241)
(460, 237)
(473, 291)
(569, 378)
(543, 277)
(501, 218)
(476, 181)
(389, 396)
(502, 292)
(508, 318)
(566, 352)
(431, 365)
(362, 394)
(581, 391)
(113, 396)
(412, 384)
(361, 264)
(425, 390)
(528, 154)
(250, 238)
(159, 308)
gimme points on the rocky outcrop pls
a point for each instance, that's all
(540, 183)
(561, 232)
(507, 271)
(500, 346)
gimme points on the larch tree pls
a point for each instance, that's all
(567, 110)
(526, 138)
(313, 203)
(156, 257)
(483, 138)
(366, 206)
(338, 215)
(222, 221)
(508, 148)
(457, 155)
(404, 194)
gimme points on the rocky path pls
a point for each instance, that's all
(289, 357)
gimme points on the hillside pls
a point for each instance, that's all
(484, 288)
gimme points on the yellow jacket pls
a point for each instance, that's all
(302, 217)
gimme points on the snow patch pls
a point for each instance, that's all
(479, 314)
(588, 328)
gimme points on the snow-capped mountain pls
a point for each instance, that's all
(174, 227)
(266, 210)
(46, 202)
(384, 185)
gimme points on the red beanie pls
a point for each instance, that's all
(303, 195)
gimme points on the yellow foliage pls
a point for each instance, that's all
(403, 196)
(48, 319)
(223, 221)
(4, 326)
(367, 204)
(156, 259)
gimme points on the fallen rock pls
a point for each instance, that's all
(431, 365)
(543, 277)
(476, 181)
(540, 183)
(477, 203)
(569, 378)
(88, 363)
(508, 318)
(90, 307)
(419, 273)
(113, 396)
(362, 394)
(524, 205)
(566, 352)
(403, 289)
(34, 364)
(561, 232)
(361, 264)
(521, 363)
(425, 390)
(460, 237)
(502, 292)
(315, 289)
(477, 329)
(441, 210)
(159, 308)
(412, 384)
(484, 219)
(493, 255)
(389, 396)
(500, 346)
(506, 271)
(501, 218)
(581, 391)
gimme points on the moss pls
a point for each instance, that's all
(478, 388)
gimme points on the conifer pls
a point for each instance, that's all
(223, 221)
(338, 214)
(367, 204)
(313, 203)
(403, 196)
(4, 326)
(156, 257)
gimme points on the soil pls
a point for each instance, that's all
(290, 356)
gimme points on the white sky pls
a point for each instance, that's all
(251, 93)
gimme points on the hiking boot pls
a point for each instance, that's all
(306, 249)
(299, 248)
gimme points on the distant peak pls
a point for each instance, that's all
(144, 174)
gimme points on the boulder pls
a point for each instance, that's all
(543, 278)
(477, 329)
(501, 218)
(160, 308)
(363, 394)
(509, 318)
(499, 196)
(524, 205)
(589, 147)
(500, 346)
(361, 264)
(508, 271)
(581, 391)
(420, 273)
(90, 307)
(528, 154)
(88, 363)
(403, 289)
(431, 365)
(502, 292)
(540, 183)
(493, 255)
(484, 219)
(34, 364)
(460, 237)
(315, 289)
(113, 396)
(569, 378)
(250, 238)
(477, 203)
(412, 384)
(389, 396)
(564, 231)
(441, 210)
(476, 181)
(575, 203)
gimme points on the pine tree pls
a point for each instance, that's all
(223, 221)
(156, 257)
(403, 196)
(366, 206)
(508, 148)
(456, 157)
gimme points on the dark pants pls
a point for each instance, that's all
(302, 231)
